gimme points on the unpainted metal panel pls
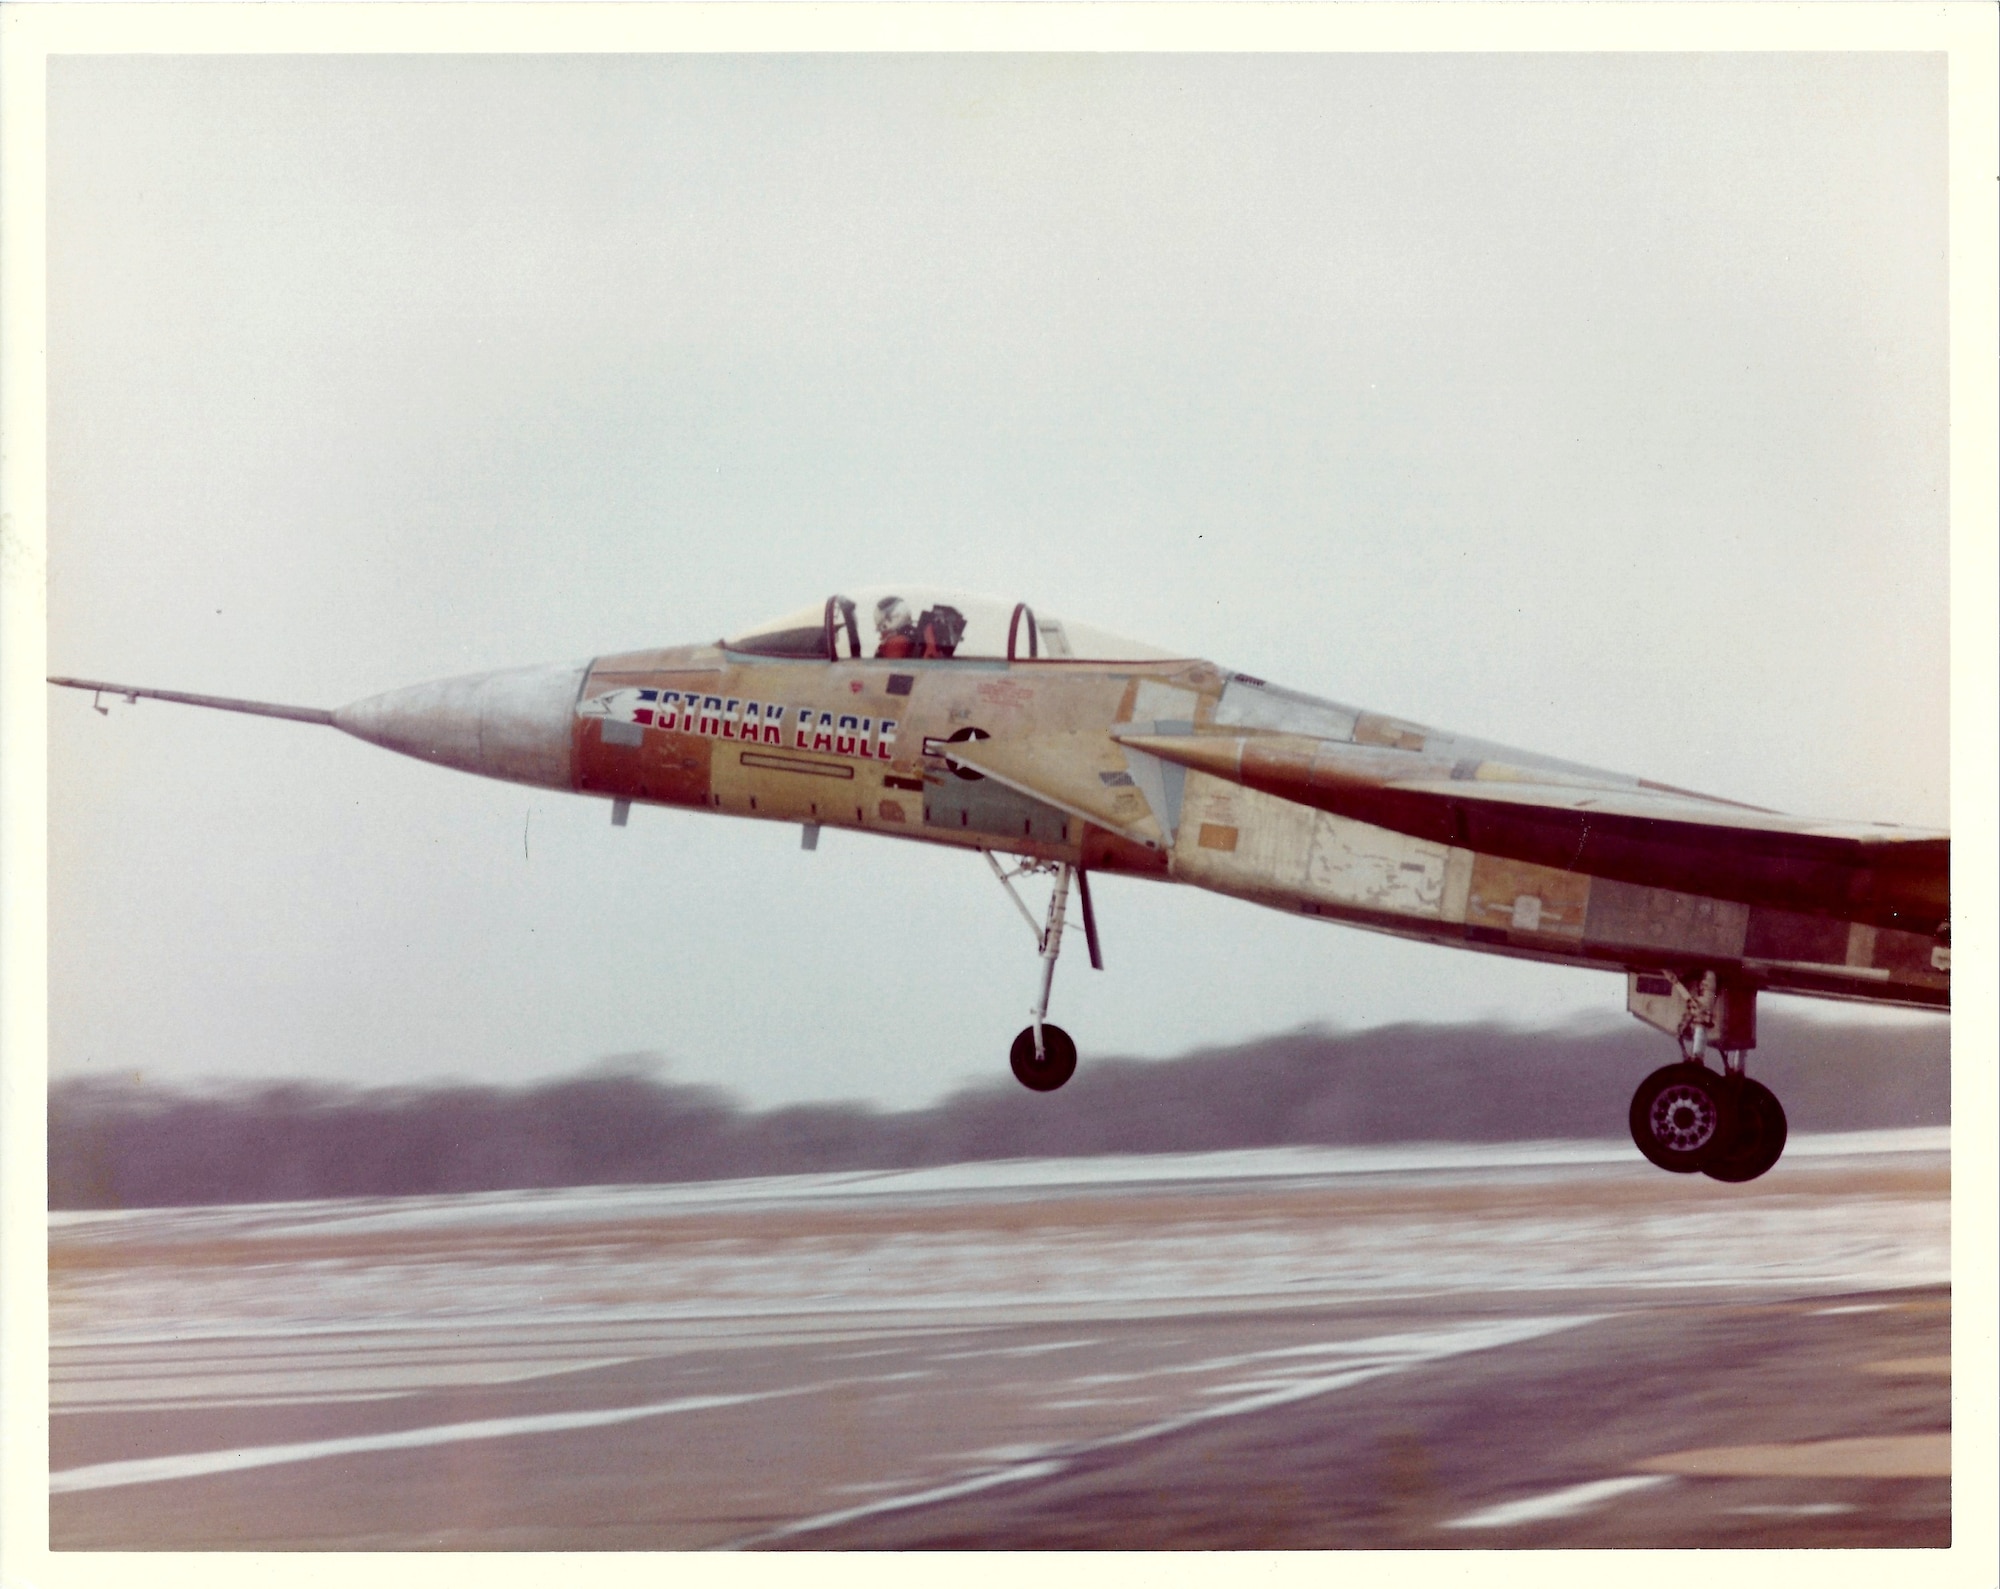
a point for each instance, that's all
(1250, 703)
(1154, 702)
(518, 724)
(1789, 935)
(1356, 864)
(1163, 786)
(986, 806)
(1629, 916)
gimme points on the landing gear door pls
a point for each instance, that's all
(1660, 1001)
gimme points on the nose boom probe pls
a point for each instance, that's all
(221, 703)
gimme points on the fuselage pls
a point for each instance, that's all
(868, 744)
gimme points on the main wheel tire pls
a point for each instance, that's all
(1680, 1114)
(1760, 1136)
(1056, 1064)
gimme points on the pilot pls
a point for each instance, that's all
(939, 631)
(896, 631)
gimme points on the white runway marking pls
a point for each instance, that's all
(944, 1492)
(207, 1403)
(153, 1470)
(1557, 1503)
(1371, 1358)
(370, 1378)
(1015, 1351)
(1097, 1401)
(1809, 1509)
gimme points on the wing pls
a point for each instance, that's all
(1637, 833)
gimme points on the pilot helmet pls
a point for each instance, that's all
(892, 615)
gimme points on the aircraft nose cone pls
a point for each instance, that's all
(515, 724)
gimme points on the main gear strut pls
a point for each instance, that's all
(1688, 1117)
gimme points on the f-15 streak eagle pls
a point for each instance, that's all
(977, 723)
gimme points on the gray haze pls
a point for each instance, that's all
(1592, 403)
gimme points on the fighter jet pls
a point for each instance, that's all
(982, 725)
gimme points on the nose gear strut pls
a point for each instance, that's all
(1043, 1056)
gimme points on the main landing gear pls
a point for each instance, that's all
(1044, 1055)
(1687, 1117)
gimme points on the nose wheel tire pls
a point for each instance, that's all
(1682, 1115)
(1759, 1139)
(1054, 1066)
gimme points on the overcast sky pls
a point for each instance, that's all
(1591, 403)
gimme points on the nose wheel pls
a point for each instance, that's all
(1046, 1068)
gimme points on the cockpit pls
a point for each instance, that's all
(924, 623)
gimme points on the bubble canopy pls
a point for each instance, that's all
(927, 623)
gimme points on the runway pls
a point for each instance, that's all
(1435, 1347)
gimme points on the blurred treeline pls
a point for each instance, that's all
(126, 1145)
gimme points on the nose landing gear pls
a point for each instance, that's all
(1044, 1055)
(1687, 1117)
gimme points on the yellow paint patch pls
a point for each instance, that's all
(1930, 1367)
(1518, 897)
(1372, 729)
(1924, 1456)
(1214, 836)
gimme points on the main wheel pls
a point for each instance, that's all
(1056, 1065)
(1759, 1139)
(1680, 1114)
